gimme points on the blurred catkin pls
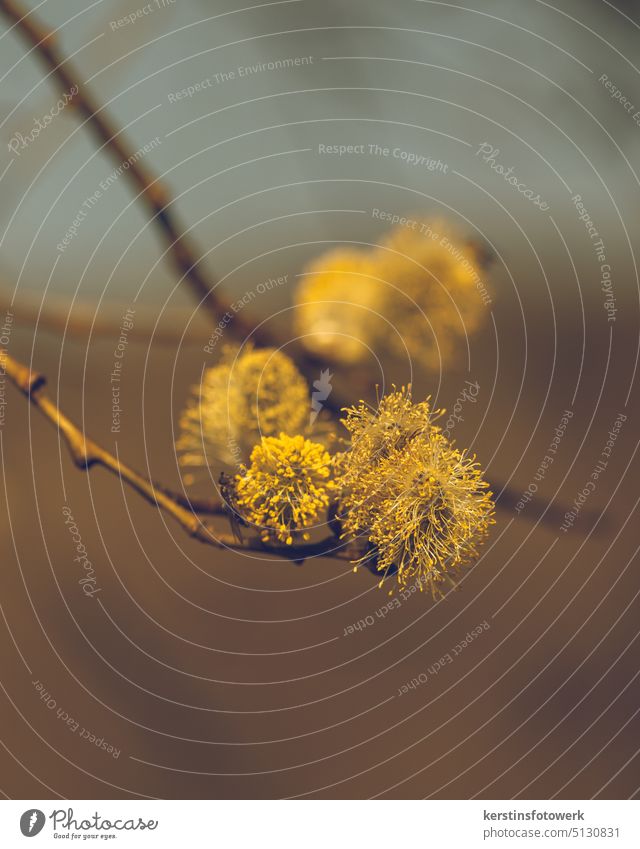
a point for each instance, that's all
(251, 393)
(418, 293)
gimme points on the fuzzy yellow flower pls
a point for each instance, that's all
(439, 298)
(336, 302)
(422, 505)
(418, 293)
(249, 394)
(285, 488)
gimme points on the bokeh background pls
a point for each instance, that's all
(221, 675)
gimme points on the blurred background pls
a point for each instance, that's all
(215, 675)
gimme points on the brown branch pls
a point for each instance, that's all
(87, 453)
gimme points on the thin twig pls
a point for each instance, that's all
(152, 192)
(86, 453)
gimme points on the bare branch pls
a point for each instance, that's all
(181, 251)
(86, 453)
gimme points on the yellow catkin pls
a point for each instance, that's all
(422, 505)
(249, 394)
(337, 300)
(285, 488)
(418, 293)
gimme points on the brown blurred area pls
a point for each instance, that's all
(224, 675)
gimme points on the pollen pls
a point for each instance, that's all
(286, 488)
(421, 504)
